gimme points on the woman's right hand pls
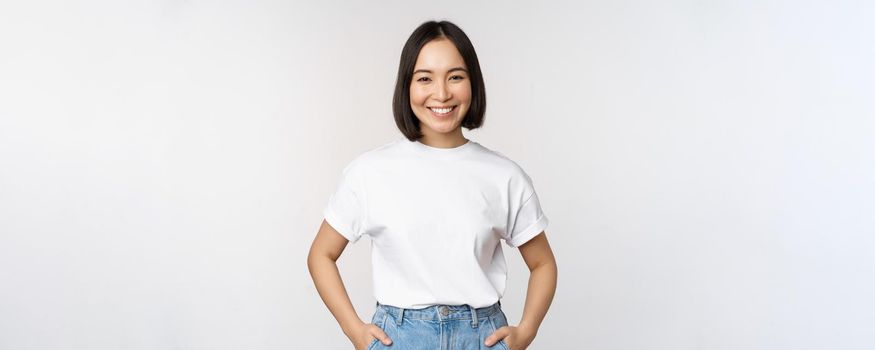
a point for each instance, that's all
(365, 335)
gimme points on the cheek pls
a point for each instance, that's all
(417, 97)
(463, 92)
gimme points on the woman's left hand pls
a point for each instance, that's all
(516, 338)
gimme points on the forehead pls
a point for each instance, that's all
(439, 55)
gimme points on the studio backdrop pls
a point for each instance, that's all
(707, 167)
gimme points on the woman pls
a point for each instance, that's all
(436, 205)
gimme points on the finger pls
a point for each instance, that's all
(496, 336)
(379, 334)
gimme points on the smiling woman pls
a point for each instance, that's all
(436, 206)
(441, 92)
(439, 87)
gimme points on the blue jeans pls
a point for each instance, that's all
(439, 327)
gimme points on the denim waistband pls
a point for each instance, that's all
(441, 312)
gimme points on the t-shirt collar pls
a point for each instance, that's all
(423, 148)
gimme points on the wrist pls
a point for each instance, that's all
(350, 328)
(528, 329)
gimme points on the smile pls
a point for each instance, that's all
(442, 111)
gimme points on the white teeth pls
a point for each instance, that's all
(442, 110)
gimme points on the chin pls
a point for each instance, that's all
(443, 128)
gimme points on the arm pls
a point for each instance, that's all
(326, 249)
(542, 286)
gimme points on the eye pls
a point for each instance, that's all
(421, 79)
(458, 76)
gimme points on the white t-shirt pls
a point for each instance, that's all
(435, 217)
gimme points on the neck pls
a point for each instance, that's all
(452, 140)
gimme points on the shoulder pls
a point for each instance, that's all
(365, 159)
(503, 163)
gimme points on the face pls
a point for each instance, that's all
(440, 92)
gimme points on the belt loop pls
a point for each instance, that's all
(400, 316)
(473, 316)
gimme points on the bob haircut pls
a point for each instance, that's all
(426, 32)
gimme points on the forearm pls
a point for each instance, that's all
(330, 286)
(542, 287)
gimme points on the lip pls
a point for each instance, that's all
(437, 115)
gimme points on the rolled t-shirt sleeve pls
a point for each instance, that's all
(527, 219)
(345, 210)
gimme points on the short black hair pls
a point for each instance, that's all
(426, 32)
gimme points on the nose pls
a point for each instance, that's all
(443, 92)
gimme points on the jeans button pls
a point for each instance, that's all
(445, 311)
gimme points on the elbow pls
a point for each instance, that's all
(310, 261)
(316, 258)
(547, 266)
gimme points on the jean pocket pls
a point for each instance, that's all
(373, 342)
(378, 320)
(500, 345)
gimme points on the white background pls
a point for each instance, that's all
(707, 166)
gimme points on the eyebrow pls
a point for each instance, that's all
(449, 71)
